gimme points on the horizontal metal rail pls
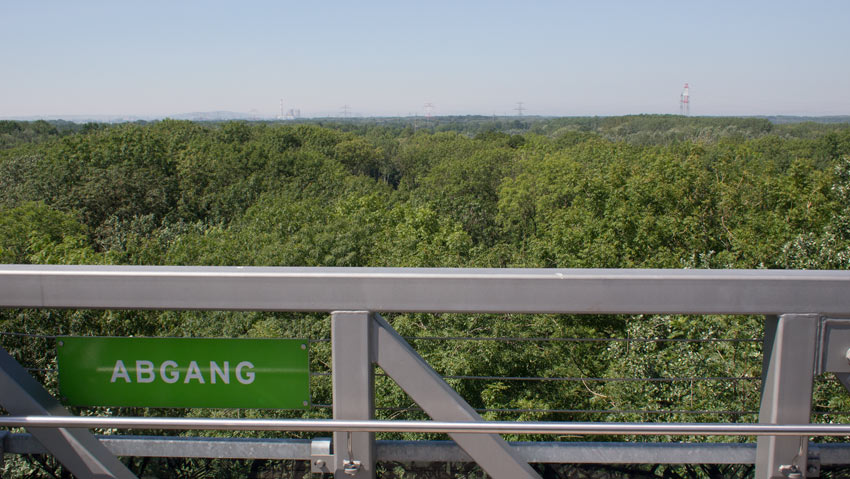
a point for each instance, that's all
(580, 291)
(416, 451)
(435, 451)
(321, 425)
(164, 446)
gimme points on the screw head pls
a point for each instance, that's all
(303, 346)
(62, 343)
(320, 463)
(305, 403)
(847, 355)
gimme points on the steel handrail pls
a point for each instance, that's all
(494, 427)
(434, 290)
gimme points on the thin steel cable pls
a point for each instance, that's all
(29, 335)
(571, 340)
(601, 380)
(578, 378)
(597, 411)
(566, 411)
(582, 340)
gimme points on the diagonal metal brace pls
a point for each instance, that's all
(404, 365)
(77, 449)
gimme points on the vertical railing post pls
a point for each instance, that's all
(790, 343)
(352, 351)
(3, 436)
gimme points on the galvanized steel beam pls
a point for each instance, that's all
(180, 446)
(435, 451)
(790, 354)
(539, 452)
(580, 291)
(208, 447)
(352, 356)
(429, 451)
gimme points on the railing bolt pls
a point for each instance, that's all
(791, 472)
(350, 467)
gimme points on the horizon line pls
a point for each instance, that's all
(219, 115)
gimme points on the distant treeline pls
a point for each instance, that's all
(641, 129)
(14, 133)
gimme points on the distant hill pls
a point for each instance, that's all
(193, 116)
(785, 119)
(215, 116)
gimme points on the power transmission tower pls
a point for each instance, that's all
(685, 102)
(519, 108)
(346, 111)
(429, 110)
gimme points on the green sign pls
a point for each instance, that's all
(184, 372)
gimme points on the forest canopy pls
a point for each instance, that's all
(642, 191)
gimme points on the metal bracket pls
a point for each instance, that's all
(351, 468)
(321, 456)
(833, 346)
(813, 466)
(833, 353)
(793, 472)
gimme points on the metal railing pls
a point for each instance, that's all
(474, 427)
(797, 305)
(437, 290)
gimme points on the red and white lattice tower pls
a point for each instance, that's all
(429, 110)
(685, 102)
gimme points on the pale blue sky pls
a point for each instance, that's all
(390, 57)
